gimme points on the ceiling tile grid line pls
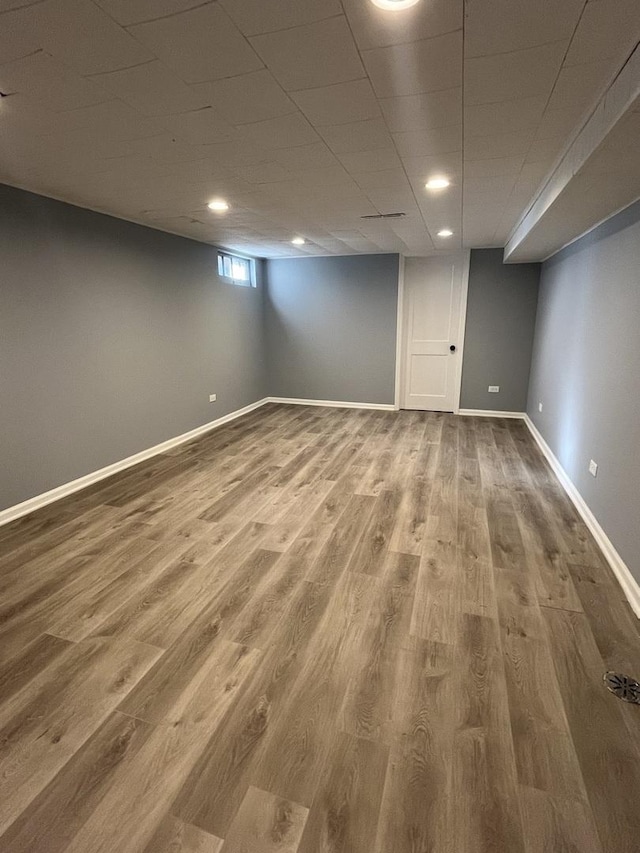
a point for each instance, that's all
(611, 120)
(558, 147)
(304, 114)
(508, 224)
(514, 67)
(432, 239)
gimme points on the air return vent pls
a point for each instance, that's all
(384, 216)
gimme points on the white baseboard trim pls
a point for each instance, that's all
(335, 404)
(39, 501)
(629, 585)
(488, 413)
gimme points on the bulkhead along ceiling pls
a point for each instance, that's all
(309, 118)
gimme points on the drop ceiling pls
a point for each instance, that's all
(307, 115)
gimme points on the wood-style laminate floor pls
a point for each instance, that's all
(317, 630)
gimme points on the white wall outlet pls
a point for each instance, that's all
(494, 389)
(593, 468)
(539, 407)
(212, 398)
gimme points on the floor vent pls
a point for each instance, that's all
(623, 686)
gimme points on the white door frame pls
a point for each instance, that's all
(402, 331)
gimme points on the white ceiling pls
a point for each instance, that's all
(304, 114)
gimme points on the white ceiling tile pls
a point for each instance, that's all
(504, 116)
(495, 166)
(282, 132)
(480, 235)
(332, 196)
(607, 29)
(534, 173)
(370, 161)
(581, 85)
(482, 215)
(441, 212)
(265, 16)
(328, 177)
(356, 136)
(127, 12)
(84, 37)
(338, 104)
(521, 74)
(311, 56)
(316, 156)
(264, 173)
(385, 178)
(238, 152)
(247, 97)
(9, 5)
(18, 35)
(485, 187)
(448, 165)
(164, 148)
(195, 171)
(499, 145)
(499, 26)
(200, 127)
(545, 149)
(393, 201)
(42, 77)
(412, 69)
(200, 44)
(423, 112)
(560, 122)
(374, 27)
(152, 89)
(103, 124)
(441, 140)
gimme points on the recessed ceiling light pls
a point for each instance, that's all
(445, 232)
(396, 5)
(437, 183)
(218, 205)
(298, 241)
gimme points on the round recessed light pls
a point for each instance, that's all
(437, 183)
(395, 5)
(298, 241)
(218, 204)
(445, 232)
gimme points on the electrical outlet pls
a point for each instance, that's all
(212, 398)
(494, 389)
(593, 468)
(539, 407)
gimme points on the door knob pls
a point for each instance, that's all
(452, 347)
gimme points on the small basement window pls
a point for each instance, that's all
(237, 270)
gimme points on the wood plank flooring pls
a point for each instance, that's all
(317, 631)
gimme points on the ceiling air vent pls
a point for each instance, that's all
(384, 216)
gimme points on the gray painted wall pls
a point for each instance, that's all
(501, 315)
(331, 327)
(586, 373)
(112, 336)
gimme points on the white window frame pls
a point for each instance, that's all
(227, 259)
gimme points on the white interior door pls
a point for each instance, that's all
(433, 330)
